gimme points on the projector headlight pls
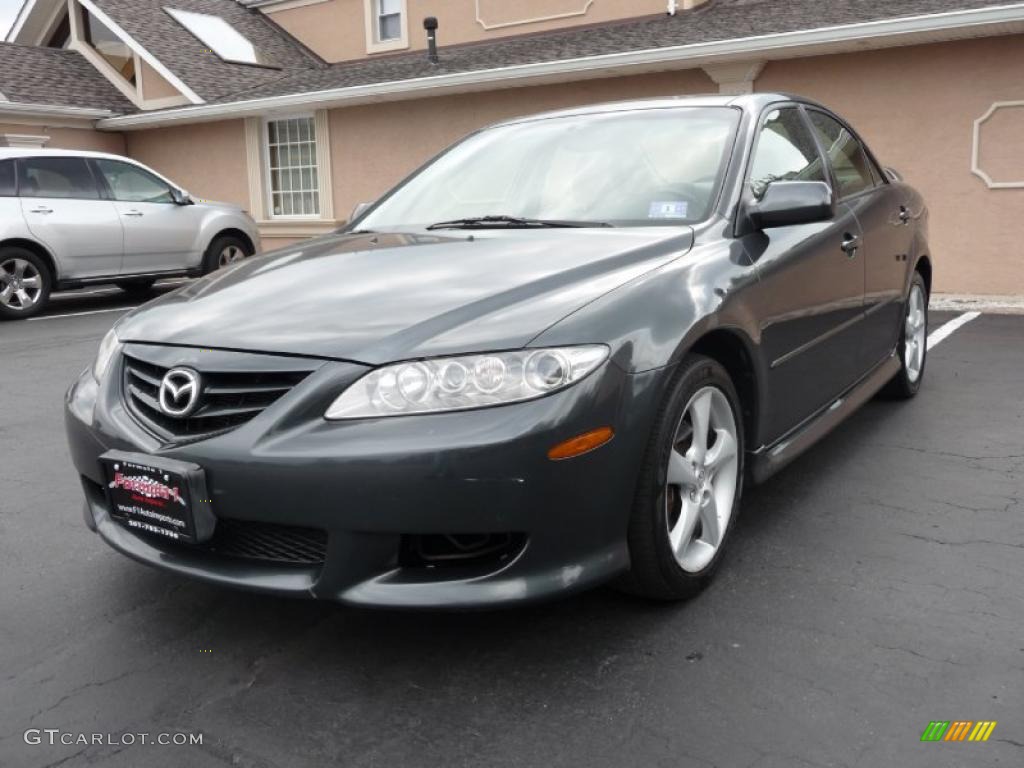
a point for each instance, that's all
(107, 352)
(467, 381)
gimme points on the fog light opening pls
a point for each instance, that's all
(585, 443)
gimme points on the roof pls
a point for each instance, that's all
(204, 72)
(57, 77)
(715, 20)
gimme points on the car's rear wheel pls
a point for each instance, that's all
(225, 251)
(140, 287)
(25, 283)
(690, 485)
(913, 347)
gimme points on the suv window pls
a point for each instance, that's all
(6, 178)
(132, 184)
(56, 177)
(785, 151)
(850, 163)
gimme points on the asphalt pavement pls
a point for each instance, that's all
(874, 586)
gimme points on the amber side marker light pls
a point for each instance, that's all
(581, 444)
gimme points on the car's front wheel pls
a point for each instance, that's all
(25, 283)
(689, 487)
(225, 251)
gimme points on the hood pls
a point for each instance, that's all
(377, 298)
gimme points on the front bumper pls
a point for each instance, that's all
(372, 484)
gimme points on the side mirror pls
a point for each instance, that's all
(359, 210)
(792, 202)
(180, 196)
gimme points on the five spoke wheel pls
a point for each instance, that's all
(915, 332)
(21, 285)
(229, 255)
(701, 479)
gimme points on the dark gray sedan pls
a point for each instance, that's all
(546, 360)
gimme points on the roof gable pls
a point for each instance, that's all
(55, 77)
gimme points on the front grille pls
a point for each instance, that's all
(227, 399)
(286, 544)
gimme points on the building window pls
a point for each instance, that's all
(292, 166)
(221, 38)
(389, 20)
(108, 45)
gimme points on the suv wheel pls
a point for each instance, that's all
(690, 485)
(25, 283)
(225, 251)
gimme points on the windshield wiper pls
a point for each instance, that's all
(512, 222)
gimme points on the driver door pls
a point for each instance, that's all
(810, 292)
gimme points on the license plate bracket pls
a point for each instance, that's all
(158, 495)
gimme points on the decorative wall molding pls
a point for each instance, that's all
(735, 78)
(533, 20)
(976, 168)
(324, 171)
(23, 141)
(254, 163)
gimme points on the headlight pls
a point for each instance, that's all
(470, 381)
(107, 352)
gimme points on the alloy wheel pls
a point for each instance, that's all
(914, 333)
(229, 255)
(703, 469)
(21, 285)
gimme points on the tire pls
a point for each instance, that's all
(656, 570)
(25, 283)
(141, 287)
(906, 384)
(225, 250)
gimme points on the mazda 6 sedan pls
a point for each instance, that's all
(548, 359)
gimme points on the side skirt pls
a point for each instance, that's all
(766, 461)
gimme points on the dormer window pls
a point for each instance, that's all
(109, 46)
(221, 38)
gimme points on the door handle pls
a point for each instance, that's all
(850, 244)
(134, 213)
(904, 214)
(42, 209)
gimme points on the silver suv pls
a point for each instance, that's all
(69, 219)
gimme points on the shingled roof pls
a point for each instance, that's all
(714, 21)
(209, 76)
(55, 77)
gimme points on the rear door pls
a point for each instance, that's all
(810, 292)
(159, 235)
(881, 212)
(63, 209)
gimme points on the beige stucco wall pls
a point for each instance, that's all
(336, 29)
(207, 159)
(68, 138)
(916, 107)
(376, 145)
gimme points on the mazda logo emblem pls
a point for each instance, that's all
(179, 392)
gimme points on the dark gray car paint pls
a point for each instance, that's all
(789, 296)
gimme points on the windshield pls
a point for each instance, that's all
(654, 167)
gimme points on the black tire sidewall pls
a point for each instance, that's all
(15, 252)
(695, 373)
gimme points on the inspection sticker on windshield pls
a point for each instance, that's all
(668, 210)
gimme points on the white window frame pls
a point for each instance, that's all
(374, 44)
(268, 173)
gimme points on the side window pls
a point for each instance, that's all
(56, 177)
(131, 184)
(7, 178)
(785, 151)
(850, 165)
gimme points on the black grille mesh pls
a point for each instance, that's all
(227, 400)
(287, 544)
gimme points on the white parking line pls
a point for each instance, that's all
(947, 329)
(79, 314)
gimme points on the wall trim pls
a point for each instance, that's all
(254, 163)
(324, 171)
(300, 228)
(533, 20)
(876, 34)
(25, 140)
(976, 168)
